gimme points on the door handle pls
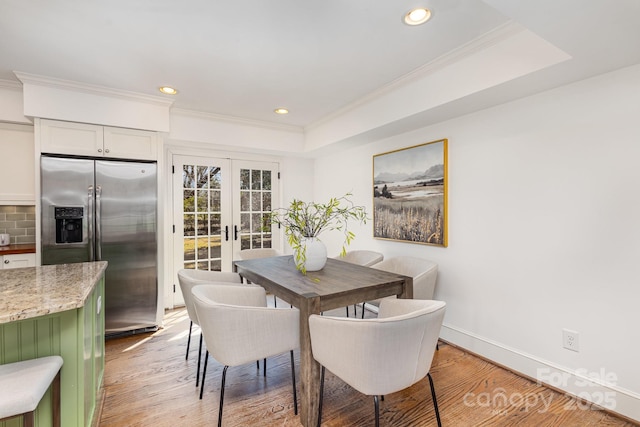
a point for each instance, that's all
(235, 232)
(98, 226)
(90, 223)
(226, 233)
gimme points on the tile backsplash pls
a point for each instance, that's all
(19, 222)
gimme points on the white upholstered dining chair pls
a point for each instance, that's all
(361, 257)
(423, 271)
(239, 328)
(380, 356)
(258, 253)
(188, 279)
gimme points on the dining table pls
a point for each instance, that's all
(338, 284)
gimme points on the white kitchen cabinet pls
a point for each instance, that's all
(71, 138)
(130, 143)
(17, 173)
(17, 261)
(83, 139)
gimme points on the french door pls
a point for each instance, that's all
(220, 206)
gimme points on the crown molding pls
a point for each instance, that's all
(491, 38)
(236, 120)
(69, 85)
(10, 84)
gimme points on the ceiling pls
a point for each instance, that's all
(245, 58)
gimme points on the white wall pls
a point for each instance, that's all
(11, 107)
(543, 231)
(238, 134)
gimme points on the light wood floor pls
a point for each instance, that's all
(148, 382)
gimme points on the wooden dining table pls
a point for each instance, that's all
(338, 284)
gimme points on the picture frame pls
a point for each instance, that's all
(410, 194)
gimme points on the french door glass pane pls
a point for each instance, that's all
(245, 221)
(245, 242)
(189, 249)
(244, 201)
(214, 224)
(201, 205)
(244, 179)
(266, 180)
(188, 177)
(188, 200)
(255, 208)
(203, 248)
(256, 201)
(189, 225)
(266, 201)
(256, 180)
(214, 200)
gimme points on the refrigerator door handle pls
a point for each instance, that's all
(90, 222)
(98, 223)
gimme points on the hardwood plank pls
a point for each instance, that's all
(149, 383)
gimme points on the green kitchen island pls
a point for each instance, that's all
(57, 309)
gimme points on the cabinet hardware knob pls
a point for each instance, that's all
(99, 150)
(106, 150)
(6, 261)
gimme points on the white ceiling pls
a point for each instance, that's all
(245, 58)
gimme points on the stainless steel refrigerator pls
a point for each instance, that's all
(95, 210)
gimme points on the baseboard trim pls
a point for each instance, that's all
(580, 385)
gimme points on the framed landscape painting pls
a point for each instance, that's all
(410, 194)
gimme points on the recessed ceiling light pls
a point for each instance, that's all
(281, 111)
(417, 16)
(168, 90)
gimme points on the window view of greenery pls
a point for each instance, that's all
(201, 213)
(255, 208)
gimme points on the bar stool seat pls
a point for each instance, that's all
(23, 384)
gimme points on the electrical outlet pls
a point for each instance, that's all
(570, 340)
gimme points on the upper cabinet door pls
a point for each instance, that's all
(78, 139)
(81, 139)
(17, 174)
(130, 144)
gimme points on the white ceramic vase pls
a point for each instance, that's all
(316, 254)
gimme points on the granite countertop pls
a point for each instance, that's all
(36, 291)
(22, 248)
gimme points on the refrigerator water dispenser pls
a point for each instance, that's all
(68, 224)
